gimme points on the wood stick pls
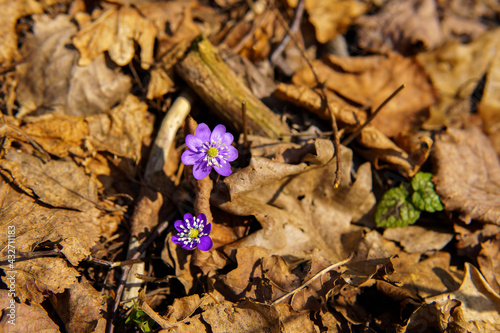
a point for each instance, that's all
(223, 91)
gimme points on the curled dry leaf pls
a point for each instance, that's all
(489, 106)
(120, 131)
(370, 80)
(332, 17)
(489, 262)
(474, 307)
(417, 239)
(115, 31)
(81, 308)
(468, 175)
(297, 206)
(403, 26)
(27, 318)
(57, 183)
(34, 223)
(11, 12)
(455, 70)
(426, 277)
(50, 81)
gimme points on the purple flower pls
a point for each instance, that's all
(209, 150)
(193, 232)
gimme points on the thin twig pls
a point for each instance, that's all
(336, 136)
(121, 284)
(370, 118)
(244, 120)
(311, 280)
(299, 13)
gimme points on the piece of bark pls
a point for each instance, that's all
(223, 92)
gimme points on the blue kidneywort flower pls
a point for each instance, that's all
(209, 150)
(193, 232)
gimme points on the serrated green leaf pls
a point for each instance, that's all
(394, 210)
(425, 197)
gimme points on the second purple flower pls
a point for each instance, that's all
(209, 150)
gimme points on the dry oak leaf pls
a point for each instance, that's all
(120, 131)
(403, 26)
(468, 175)
(417, 239)
(50, 81)
(489, 262)
(75, 232)
(10, 12)
(455, 71)
(81, 308)
(426, 277)
(474, 307)
(369, 80)
(115, 31)
(332, 17)
(297, 206)
(56, 183)
(27, 318)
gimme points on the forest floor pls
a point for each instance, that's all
(250, 166)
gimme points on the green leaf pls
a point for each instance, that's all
(140, 318)
(424, 196)
(394, 210)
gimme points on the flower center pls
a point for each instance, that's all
(212, 152)
(193, 233)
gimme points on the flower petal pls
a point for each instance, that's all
(203, 132)
(203, 219)
(189, 246)
(188, 217)
(193, 142)
(175, 240)
(179, 224)
(201, 170)
(190, 157)
(223, 169)
(228, 138)
(232, 154)
(218, 133)
(205, 243)
(207, 228)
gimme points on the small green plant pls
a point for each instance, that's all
(401, 206)
(140, 318)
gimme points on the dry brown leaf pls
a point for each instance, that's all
(468, 175)
(426, 277)
(417, 239)
(57, 183)
(297, 206)
(474, 307)
(76, 232)
(120, 131)
(81, 308)
(489, 262)
(24, 318)
(332, 17)
(123, 130)
(11, 11)
(246, 316)
(115, 31)
(50, 81)
(404, 26)
(455, 69)
(310, 99)
(370, 80)
(464, 20)
(489, 106)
